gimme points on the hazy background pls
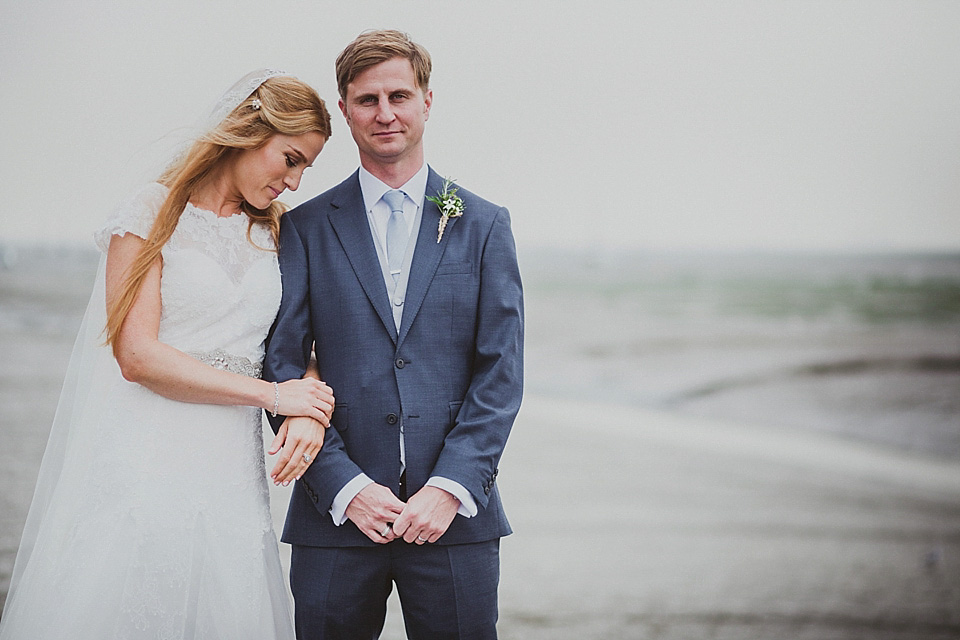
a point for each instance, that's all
(749, 364)
(731, 125)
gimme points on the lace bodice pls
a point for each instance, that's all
(219, 291)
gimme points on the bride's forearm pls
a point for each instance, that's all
(158, 366)
(173, 374)
(178, 376)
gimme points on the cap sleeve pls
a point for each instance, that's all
(134, 215)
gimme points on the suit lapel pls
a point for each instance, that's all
(426, 256)
(349, 222)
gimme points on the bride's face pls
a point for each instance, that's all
(261, 175)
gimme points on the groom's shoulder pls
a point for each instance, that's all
(480, 207)
(480, 215)
(479, 202)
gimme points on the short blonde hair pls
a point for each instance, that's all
(371, 48)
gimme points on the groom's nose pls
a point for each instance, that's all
(384, 111)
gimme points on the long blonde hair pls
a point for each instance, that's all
(286, 106)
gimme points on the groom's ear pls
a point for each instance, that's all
(343, 110)
(427, 102)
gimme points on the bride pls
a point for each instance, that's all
(151, 517)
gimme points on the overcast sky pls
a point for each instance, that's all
(663, 125)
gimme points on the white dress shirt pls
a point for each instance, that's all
(378, 213)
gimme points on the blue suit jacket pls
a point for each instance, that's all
(454, 372)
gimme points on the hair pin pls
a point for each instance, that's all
(255, 104)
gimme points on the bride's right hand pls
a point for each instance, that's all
(306, 397)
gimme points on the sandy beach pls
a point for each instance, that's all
(639, 521)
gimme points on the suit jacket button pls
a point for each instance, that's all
(400, 363)
(391, 418)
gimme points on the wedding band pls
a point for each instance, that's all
(421, 539)
(307, 458)
(384, 533)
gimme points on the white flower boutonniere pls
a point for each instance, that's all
(451, 206)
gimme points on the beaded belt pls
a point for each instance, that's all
(220, 359)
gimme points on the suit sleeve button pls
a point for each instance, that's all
(391, 418)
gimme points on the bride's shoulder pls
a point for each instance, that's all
(135, 214)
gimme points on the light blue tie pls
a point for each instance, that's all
(397, 232)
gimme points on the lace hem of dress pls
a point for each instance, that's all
(220, 359)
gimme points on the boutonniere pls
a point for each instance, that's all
(451, 206)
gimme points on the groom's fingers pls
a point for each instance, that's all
(426, 516)
(373, 510)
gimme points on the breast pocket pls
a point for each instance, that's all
(454, 268)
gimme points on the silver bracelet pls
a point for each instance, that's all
(276, 399)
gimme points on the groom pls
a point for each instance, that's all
(420, 334)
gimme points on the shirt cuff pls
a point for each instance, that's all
(468, 506)
(338, 510)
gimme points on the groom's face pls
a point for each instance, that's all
(386, 111)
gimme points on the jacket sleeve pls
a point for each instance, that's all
(472, 448)
(287, 355)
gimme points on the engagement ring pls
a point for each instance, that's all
(307, 458)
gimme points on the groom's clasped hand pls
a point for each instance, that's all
(383, 517)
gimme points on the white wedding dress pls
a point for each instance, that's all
(151, 516)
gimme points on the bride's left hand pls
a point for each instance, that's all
(298, 440)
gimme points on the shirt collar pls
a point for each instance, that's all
(373, 188)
